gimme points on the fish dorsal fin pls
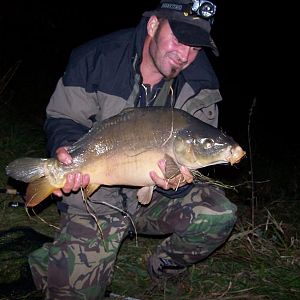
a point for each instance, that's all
(172, 168)
(91, 188)
(144, 194)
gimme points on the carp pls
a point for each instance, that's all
(123, 149)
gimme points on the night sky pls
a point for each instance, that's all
(41, 34)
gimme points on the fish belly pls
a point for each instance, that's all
(125, 169)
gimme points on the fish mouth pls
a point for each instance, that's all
(236, 154)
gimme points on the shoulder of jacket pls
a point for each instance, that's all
(101, 45)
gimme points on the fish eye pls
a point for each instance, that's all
(207, 143)
(190, 141)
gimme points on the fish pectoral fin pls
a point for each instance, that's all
(38, 190)
(172, 168)
(91, 188)
(144, 194)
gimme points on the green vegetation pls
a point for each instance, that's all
(261, 260)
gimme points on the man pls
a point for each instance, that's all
(160, 62)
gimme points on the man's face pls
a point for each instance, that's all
(168, 55)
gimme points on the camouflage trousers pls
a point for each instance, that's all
(79, 263)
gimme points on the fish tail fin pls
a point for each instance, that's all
(26, 169)
(38, 190)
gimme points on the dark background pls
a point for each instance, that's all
(41, 34)
(37, 36)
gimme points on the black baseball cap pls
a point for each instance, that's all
(188, 27)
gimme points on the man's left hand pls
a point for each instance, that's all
(174, 183)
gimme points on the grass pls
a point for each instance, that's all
(257, 262)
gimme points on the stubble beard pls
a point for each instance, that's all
(173, 72)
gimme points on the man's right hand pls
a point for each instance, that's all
(74, 181)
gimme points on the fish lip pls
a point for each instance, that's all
(236, 155)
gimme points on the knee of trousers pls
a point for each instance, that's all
(209, 231)
(203, 235)
(206, 217)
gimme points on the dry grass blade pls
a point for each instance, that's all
(199, 177)
(4, 81)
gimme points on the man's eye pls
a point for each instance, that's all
(197, 48)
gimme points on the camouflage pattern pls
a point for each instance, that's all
(78, 265)
(199, 223)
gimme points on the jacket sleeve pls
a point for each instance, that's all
(62, 132)
(205, 106)
(72, 108)
(72, 102)
(70, 114)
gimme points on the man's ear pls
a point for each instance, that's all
(152, 25)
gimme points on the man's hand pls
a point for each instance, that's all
(74, 181)
(181, 179)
